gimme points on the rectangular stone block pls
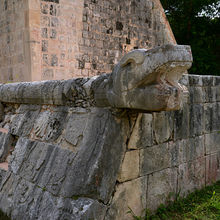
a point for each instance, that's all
(208, 118)
(196, 120)
(177, 151)
(216, 81)
(209, 94)
(217, 88)
(163, 126)
(212, 168)
(130, 166)
(181, 123)
(211, 117)
(195, 80)
(196, 94)
(194, 149)
(216, 116)
(207, 80)
(161, 187)
(191, 176)
(131, 194)
(154, 158)
(142, 134)
(212, 142)
(77, 127)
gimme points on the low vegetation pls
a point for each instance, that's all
(200, 205)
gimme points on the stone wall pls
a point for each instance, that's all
(62, 39)
(14, 41)
(62, 157)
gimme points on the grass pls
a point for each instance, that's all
(200, 205)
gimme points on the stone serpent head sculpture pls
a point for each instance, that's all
(147, 80)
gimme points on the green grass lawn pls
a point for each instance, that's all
(200, 205)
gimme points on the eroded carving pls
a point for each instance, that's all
(146, 80)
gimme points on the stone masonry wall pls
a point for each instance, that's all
(14, 38)
(62, 39)
(171, 153)
(64, 158)
(113, 28)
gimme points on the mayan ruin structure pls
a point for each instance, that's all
(97, 112)
(48, 39)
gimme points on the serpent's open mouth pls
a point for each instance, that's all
(148, 79)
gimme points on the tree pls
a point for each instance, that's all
(197, 23)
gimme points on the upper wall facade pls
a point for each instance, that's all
(14, 38)
(62, 39)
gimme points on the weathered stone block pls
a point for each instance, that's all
(212, 142)
(131, 194)
(177, 152)
(216, 116)
(208, 117)
(49, 125)
(196, 120)
(216, 81)
(56, 170)
(24, 200)
(6, 140)
(195, 149)
(142, 134)
(207, 80)
(183, 151)
(181, 123)
(22, 124)
(212, 168)
(161, 185)
(77, 127)
(163, 126)
(191, 176)
(211, 117)
(96, 165)
(130, 166)
(217, 88)
(29, 159)
(196, 94)
(195, 80)
(154, 158)
(209, 94)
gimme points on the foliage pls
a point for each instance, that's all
(197, 23)
(203, 204)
